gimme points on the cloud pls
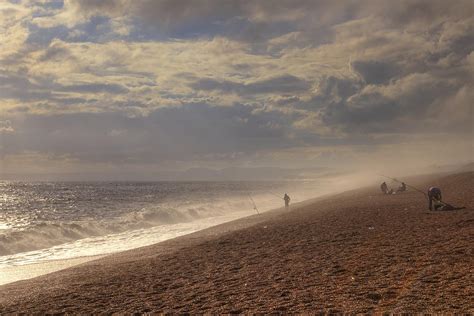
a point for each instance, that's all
(6, 127)
(56, 52)
(95, 88)
(166, 134)
(12, 28)
(212, 78)
(17, 86)
(407, 105)
(375, 72)
(282, 84)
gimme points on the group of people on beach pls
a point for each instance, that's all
(386, 190)
(434, 196)
(435, 202)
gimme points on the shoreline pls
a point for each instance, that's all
(23, 272)
(16, 273)
(357, 251)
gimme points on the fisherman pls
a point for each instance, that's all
(402, 187)
(384, 188)
(434, 198)
(287, 199)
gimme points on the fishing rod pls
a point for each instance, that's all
(410, 186)
(449, 206)
(254, 205)
(275, 194)
(278, 196)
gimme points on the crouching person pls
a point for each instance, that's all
(434, 198)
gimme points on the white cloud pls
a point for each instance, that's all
(6, 127)
(13, 31)
(116, 132)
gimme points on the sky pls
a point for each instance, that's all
(149, 89)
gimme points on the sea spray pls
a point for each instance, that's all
(43, 219)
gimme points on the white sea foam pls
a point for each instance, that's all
(4, 226)
(107, 244)
(25, 265)
(148, 220)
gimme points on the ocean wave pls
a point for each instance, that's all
(42, 216)
(48, 234)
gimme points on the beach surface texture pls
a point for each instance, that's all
(358, 252)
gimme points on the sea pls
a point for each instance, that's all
(48, 221)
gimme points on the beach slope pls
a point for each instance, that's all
(360, 251)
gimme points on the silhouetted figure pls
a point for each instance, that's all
(287, 199)
(434, 198)
(384, 188)
(436, 204)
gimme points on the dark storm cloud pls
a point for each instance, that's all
(252, 21)
(165, 12)
(166, 134)
(421, 11)
(333, 89)
(411, 104)
(375, 72)
(172, 12)
(282, 84)
(260, 20)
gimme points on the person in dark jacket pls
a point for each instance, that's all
(384, 188)
(434, 198)
(436, 204)
(287, 199)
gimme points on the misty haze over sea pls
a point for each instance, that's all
(41, 221)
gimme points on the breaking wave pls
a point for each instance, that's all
(49, 221)
(49, 234)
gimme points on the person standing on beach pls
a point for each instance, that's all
(384, 188)
(287, 199)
